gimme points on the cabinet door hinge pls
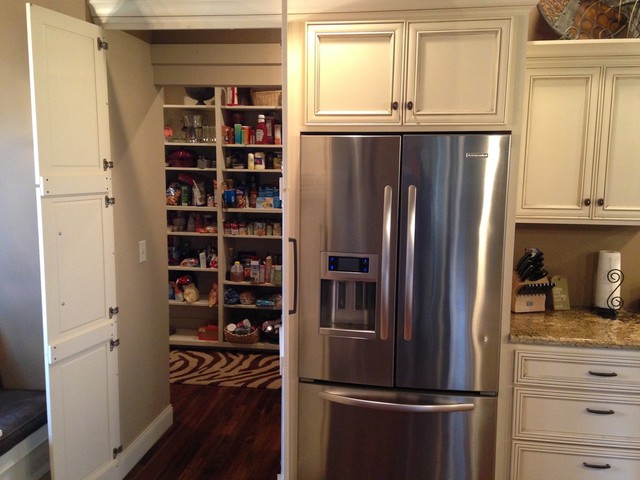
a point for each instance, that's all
(116, 451)
(113, 344)
(109, 201)
(102, 44)
(106, 164)
(113, 311)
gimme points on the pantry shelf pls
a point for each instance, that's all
(198, 217)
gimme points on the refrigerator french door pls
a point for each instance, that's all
(402, 240)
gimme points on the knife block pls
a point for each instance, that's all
(521, 303)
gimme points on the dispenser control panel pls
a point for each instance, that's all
(348, 264)
(361, 267)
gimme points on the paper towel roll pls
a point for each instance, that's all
(608, 279)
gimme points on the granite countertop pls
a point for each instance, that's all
(578, 327)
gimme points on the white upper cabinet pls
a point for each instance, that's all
(617, 189)
(436, 72)
(456, 72)
(557, 166)
(354, 72)
(579, 156)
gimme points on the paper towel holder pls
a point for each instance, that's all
(614, 300)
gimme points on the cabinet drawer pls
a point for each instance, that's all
(581, 418)
(578, 371)
(553, 462)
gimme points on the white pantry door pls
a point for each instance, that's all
(75, 227)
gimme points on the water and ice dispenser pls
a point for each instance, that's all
(348, 294)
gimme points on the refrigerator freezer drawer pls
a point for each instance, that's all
(370, 434)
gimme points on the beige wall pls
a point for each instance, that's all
(21, 349)
(135, 111)
(572, 251)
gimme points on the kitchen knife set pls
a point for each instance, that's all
(530, 268)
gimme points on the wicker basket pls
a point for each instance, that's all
(250, 338)
(266, 98)
(587, 19)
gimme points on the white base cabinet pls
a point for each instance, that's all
(579, 156)
(537, 461)
(576, 415)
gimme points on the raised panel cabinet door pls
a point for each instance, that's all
(556, 169)
(75, 229)
(457, 72)
(618, 192)
(354, 73)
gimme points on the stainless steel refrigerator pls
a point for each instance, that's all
(401, 247)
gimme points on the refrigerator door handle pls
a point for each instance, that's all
(385, 260)
(410, 251)
(395, 407)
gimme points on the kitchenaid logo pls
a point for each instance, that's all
(476, 155)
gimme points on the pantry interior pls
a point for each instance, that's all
(243, 67)
(224, 215)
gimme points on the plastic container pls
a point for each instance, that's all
(258, 161)
(237, 272)
(277, 277)
(261, 130)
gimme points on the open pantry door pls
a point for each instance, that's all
(75, 215)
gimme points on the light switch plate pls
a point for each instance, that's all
(142, 251)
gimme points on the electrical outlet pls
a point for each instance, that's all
(142, 251)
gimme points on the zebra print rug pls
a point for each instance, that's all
(224, 369)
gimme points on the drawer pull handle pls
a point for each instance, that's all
(603, 374)
(600, 412)
(597, 465)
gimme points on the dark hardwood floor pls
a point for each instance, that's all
(218, 433)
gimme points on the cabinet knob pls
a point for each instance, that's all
(409, 105)
(587, 202)
(395, 105)
(600, 202)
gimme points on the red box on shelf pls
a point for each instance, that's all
(208, 332)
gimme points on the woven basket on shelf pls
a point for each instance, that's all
(592, 19)
(266, 98)
(233, 338)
